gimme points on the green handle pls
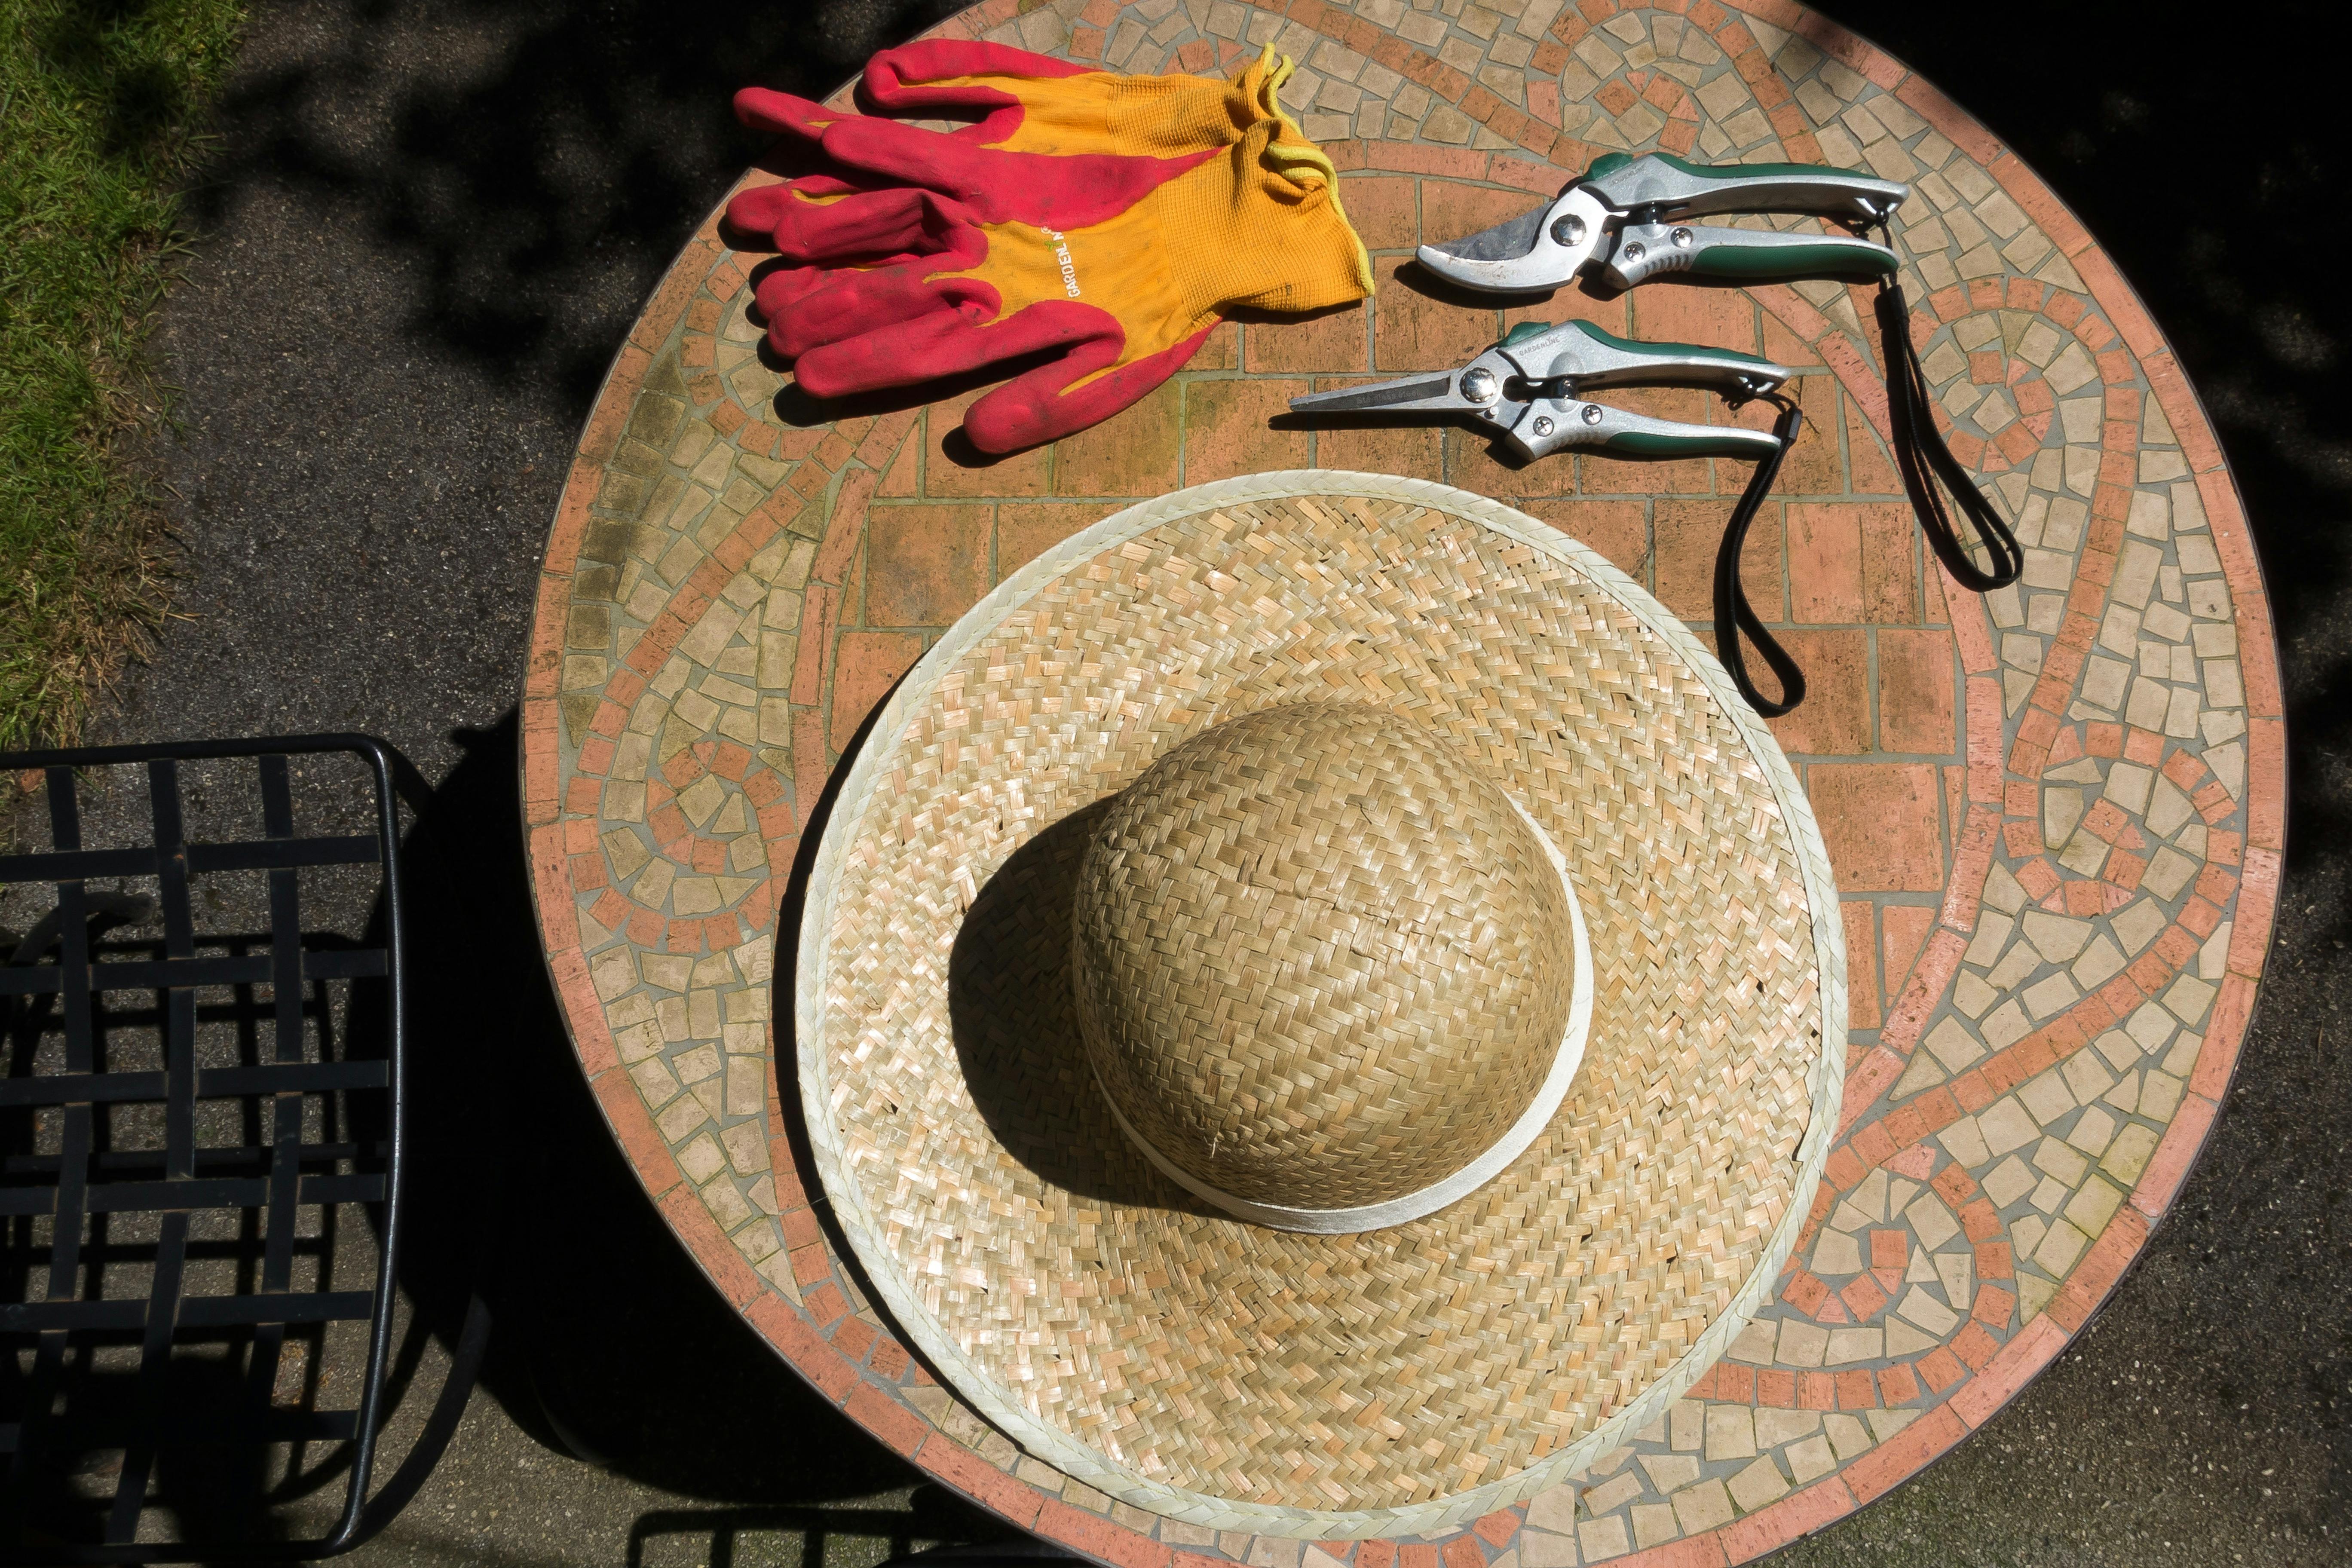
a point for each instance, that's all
(1526, 329)
(1858, 260)
(1650, 444)
(1610, 162)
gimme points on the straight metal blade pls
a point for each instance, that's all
(1432, 391)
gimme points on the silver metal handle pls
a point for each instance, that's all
(1758, 254)
(1551, 424)
(1586, 357)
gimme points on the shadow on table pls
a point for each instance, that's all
(609, 1343)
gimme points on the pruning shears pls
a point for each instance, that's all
(1531, 390)
(1625, 220)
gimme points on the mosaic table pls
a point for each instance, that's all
(2055, 813)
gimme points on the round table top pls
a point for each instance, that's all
(2055, 813)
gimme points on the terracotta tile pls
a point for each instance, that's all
(1614, 528)
(1904, 929)
(926, 565)
(1226, 429)
(953, 465)
(1336, 341)
(1476, 462)
(1413, 329)
(1025, 529)
(1413, 451)
(1222, 351)
(1675, 311)
(1880, 821)
(1686, 536)
(1915, 691)
(1135, 452)
(959, 1467)
(1381, 209)
(1834, 718)
(1861, 971)
(905, 475)
(1783, 346)
(1826, 567)
(1609, 313)
(868, 665)
(1890, 571)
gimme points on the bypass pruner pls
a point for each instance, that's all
(1625, 219)
(1530, 389)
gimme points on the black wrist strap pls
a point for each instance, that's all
(1733, 614)
(1921, 453)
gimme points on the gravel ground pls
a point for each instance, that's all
(429, 224)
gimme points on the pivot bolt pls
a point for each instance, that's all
(1568, 230)
(1479, 385)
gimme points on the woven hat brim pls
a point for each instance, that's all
(1307, 1386)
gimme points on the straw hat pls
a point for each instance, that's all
(1318, 1011)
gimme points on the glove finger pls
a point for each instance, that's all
(758, 210)
(1063, 192)
(913, 80)
(783, 114)
(817, 309)
(873, 227)
(946, 343)
(776, 292)
(1046, 403)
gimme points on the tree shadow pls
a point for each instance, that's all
(536, 161)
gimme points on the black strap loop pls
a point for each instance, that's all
(1921, 453)
(1733, 613)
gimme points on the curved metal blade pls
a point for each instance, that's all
(1537, 251)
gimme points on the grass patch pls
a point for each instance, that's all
(101, 104)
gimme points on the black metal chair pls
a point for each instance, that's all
(201, 1157)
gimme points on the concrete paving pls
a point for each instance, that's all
(429, 224)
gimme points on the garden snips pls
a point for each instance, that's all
(1533, 392)
(1624, 221)
(1530, 391)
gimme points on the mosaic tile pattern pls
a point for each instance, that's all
(2055, 813)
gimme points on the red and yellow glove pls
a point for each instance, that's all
(1110, 221)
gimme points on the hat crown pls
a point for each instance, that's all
(1320, 962)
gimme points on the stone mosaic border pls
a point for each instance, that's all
(2081, 987)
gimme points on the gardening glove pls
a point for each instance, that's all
(1109, 221)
